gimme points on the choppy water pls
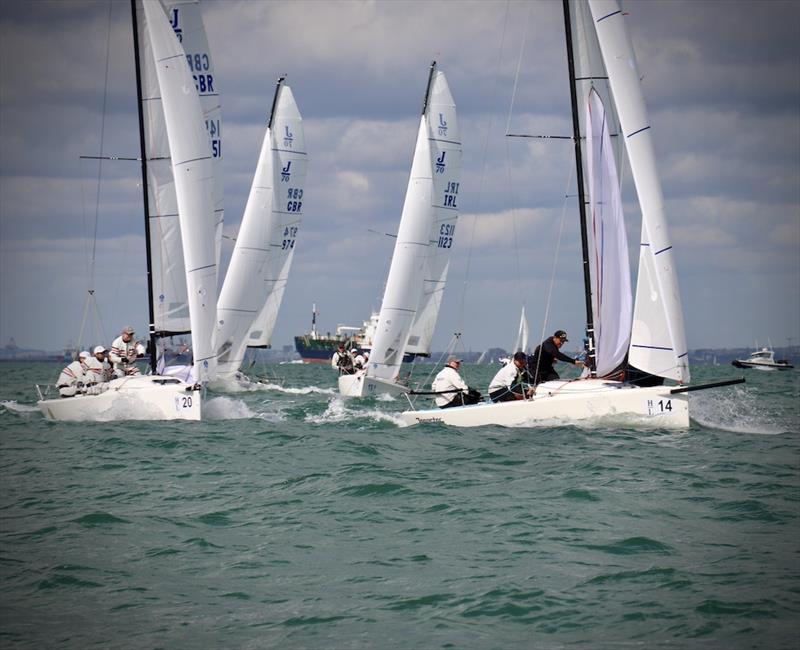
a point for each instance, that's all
(291, 519)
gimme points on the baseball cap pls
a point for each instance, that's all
(561, 334)
(453, 359)
(128, 330)
(99, 348)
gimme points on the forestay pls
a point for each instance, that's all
(658, 339)
(259, 269)
(192, 170)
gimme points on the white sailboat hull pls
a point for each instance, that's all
(141, 397)
(360, 385)
(571, 401)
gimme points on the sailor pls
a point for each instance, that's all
(359, 359)
(342, 361)
(123, 353)
(73, 377)
(98, 370)
(451, 388)
(508, 383)
(540, 363)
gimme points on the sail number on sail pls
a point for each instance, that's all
(446, 233)
(289, 235)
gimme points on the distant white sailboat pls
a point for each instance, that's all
(418, 270)
(651, 335)
(182, 271)
(259, 269)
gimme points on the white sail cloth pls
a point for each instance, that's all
(259, 268)
(445, 152)
(612, 300)
(425, 235)
(658, 339)
(168, 278)
(194, 181)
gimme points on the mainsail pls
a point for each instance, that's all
(445, 151)
(259, 269)
(430, 207)
(168, 278)
(192, 170)
(658, 339)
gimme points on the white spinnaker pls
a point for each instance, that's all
(612, 300)
(168, 278)
(194, 181)
(254, 284)
(407, 271)
(445, 152)
(658, 339)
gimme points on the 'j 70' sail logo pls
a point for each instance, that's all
(174, 21)
(288, 137)
(440, 163)
(442, 125)
(285, 173)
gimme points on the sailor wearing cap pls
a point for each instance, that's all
(342, 361)
(507, 384)
(123, 353)
(451, 388)
(72, 377)
(540, 363)
(98, 370)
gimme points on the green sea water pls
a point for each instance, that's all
(290, 518)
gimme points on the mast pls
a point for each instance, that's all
(428, 87)
(576, 136)
(151, 314)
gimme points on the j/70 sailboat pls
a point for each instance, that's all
(418, 270)
(648, 341)
(181, 139)
(259, 269)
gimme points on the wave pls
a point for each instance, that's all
(339, 411)
(738, 410)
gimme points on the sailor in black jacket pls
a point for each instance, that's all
(540, 363)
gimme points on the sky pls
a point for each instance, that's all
(721, 80)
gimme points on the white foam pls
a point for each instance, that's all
(339, 411)
(739, 410)
(14, 407)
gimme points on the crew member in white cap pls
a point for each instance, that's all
(123, 353)
(73, 377)
(98, 370)
(451, 388)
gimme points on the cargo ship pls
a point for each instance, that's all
(319, 348)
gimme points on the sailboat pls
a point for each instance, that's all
(632, 350)
(181, 140)
(418, 271)
(256, 279)
(521, 344)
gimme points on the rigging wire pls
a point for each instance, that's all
(90, 309)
